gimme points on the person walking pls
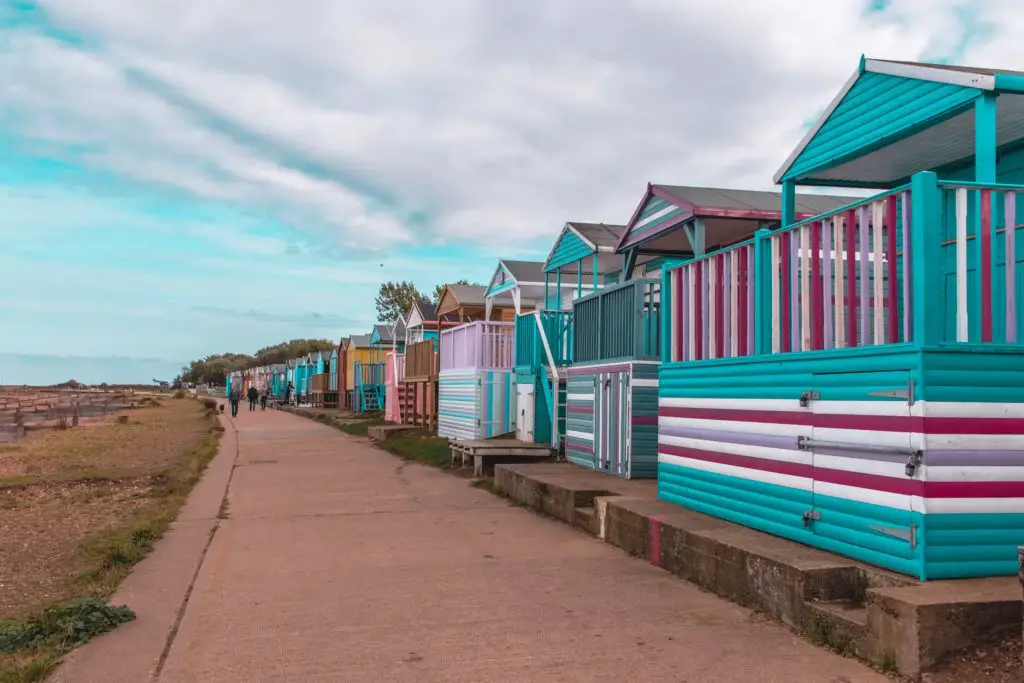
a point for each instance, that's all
(288, 393)
(263, 398)
(252, 395)
(233, 399)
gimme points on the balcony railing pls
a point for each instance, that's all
(619, 322)
(421, 362)
(558, 330)
(368, 373)
(923, 263)
(479, 345)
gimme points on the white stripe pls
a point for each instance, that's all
(869, 496)
(957, 409)
(655, 216)
(961, 265)
(949, 506)
(774, 270)
(582, 436)
(881, 468)
(802, 483)
(580, 397)
(645, 383)
(712, 281)
(763, 452)
(975, 473)
(969, 442)
(768, 428)
(840, 286)
(878, 213)
(805, 286)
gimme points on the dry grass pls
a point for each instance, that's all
(79, 507)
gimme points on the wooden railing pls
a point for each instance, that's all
(319, 383)
(482, 345)
(619, 322)
(927, 263)
(421, 361)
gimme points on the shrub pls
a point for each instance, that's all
(210, 403)
(180, 393)
(63, 626)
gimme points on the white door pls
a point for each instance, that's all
(524, 411)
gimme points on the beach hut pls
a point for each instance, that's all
(866, 399)
(331, 369)
(357, 350)
(515, 286)
(576, 265)
(461, 303)
(475, 387)
(420, 374)
(612, 391)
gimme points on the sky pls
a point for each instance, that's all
(192, 177)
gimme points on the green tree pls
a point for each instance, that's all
(439, 289)
(395, 298)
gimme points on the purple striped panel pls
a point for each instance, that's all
(942, 458)
(747, 439)
(827, 307)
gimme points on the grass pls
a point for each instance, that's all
(488, 484)
(420, 446)
(88, 504)
(362, 426)
(821, 631)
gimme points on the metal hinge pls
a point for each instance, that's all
(807, 397)
(913, 462)
(909, 534)
(811, 516)
(906, 394)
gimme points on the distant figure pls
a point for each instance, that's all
(288, 392)
(252, 395)
(234, 403)
(263, 398)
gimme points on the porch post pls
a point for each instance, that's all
(558, 289)
(926, 287)
(547, 279)
(985, 138)
(763, 271)
(788, 203)
(579, 279)
(595, 271)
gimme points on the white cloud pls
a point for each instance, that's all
(498, 121)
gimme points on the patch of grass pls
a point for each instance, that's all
(420, 446)
(887, 664)
(488, 484)
(821, 631)
(32, 646)
(362, 427)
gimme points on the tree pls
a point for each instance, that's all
(439, 290)
(395, 298)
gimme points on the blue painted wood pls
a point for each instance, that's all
(568, 249)
(878, 108)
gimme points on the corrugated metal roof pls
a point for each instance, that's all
(600, 234)
(524, 271)
(752, 200)
(360, 341)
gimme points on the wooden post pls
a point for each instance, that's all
(74, 414)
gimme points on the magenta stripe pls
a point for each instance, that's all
(794, 290)
(726, 327)
(580, 409)
(683, 324)
(1011, 267)
(705, 282)
(645, 420)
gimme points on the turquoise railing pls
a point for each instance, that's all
(558, 330)
(621, 322)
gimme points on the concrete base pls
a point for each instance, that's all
(892, 621)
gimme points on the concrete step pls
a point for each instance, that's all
(842, 626)
(586, 518)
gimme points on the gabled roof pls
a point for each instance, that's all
(728, 214)
(381, 334)
(359, 341)
(893, 118)
(598, 234)
(427, 310)
(525, 271)
(511, 274)
(468, 295)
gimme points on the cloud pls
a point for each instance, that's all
(374, 124)
(292, 317)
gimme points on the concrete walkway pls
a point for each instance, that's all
(337, 562)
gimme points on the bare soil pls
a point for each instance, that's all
(62, 491)
(996, 661)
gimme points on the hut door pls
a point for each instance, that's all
(611, 423)
(864, 467)
(524, 411)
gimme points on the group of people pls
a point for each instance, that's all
(254, 395)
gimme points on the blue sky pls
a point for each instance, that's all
(178, 179)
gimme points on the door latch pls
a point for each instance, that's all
(913, 462)
(811, 516)
(807, 397)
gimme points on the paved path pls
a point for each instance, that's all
(337, 562)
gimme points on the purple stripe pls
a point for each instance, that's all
(683, 325)
(744, 438)
(1010, 222)
(827, 307)
(943, 458)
